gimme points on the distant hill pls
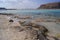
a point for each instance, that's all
(55, 5)
(2, 8)
(6, 9)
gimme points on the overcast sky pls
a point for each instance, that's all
(24, 4)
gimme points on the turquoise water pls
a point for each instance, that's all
(34, 12)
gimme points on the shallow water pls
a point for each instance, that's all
(46, 12)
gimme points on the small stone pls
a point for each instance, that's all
(11, 20)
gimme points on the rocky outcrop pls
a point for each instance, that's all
(37, 31)
(55, 5)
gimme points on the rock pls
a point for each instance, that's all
(11, 20)
(27, 17)
(18, 28)
(16, 16)
(31, 34)
(23, 17)
(22, 22)
(15, 24)
(41, 29)
(57, 20)
(40, 20)
(34, 25)
(27, 24)
(34, 30)
(50, 38)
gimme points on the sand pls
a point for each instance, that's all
(11, 30)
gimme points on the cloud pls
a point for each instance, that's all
(19, 4)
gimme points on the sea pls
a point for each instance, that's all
(46, 12)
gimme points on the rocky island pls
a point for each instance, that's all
(55, 5)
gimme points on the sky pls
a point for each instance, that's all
(24, 4)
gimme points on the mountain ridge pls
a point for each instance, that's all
(55, 5)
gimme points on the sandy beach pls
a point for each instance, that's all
(15, 27)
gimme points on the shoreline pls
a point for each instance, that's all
(6, 14)
(44, 19)
(21, 25)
